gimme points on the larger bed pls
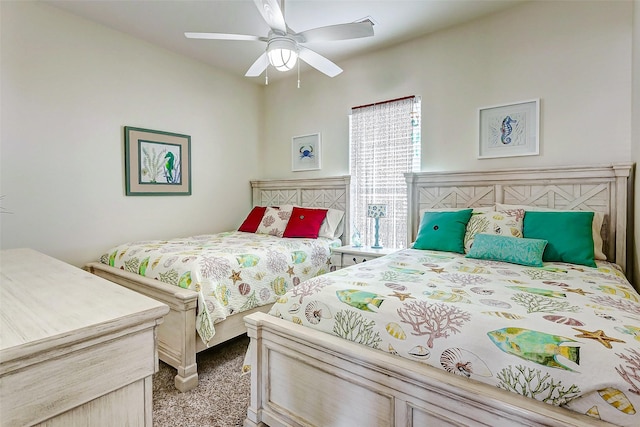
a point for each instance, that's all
(211, 281)
(424, 337)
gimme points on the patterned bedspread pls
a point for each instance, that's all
(231, 271)
(563, 334)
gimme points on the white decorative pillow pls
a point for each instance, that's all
(332, 225)
(502, 223)
(596, 225)
(275, 220)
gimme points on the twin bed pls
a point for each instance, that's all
(433, 337)
(211, 282)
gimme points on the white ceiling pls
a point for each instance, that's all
(164, 22)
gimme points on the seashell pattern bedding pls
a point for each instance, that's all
(231, 271)
(563, 334)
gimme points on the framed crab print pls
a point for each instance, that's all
(156, 163)
(305, 152)
(509, 130)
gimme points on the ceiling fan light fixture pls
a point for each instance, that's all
(282, 53)
(284, 46)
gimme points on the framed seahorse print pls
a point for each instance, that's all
(156, 163)
(509, 130)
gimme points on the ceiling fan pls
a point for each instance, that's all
(284, 46)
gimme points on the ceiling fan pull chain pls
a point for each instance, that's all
(298, 74)
(266, 76)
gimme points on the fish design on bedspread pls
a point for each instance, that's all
(362, 300)
(535, 346)
(247, 260)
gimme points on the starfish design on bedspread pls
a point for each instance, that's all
(290, 271)
(235, 276)
(401, 296)
(598, 335)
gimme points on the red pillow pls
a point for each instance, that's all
(251, 223)
(305, 222)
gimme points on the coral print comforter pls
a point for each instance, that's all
(231, 271)
(563, 334)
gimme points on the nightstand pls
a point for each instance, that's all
(348, 255)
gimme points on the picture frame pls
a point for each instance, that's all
(156, 163)
(306, 152)
(509, 130)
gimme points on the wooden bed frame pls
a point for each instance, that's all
(178, 342)
(301, 376)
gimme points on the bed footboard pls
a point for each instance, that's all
(177, 334)
(304, 377)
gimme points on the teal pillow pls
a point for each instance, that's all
(443, 231)
(515, 250)
(568, 233)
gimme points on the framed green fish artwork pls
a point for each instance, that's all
(156, 163)
(509, 130)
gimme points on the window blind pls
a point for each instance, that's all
(384, 145)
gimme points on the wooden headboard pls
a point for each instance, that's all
(325, 193)
(595, 188)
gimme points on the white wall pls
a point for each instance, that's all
(68, 88)
(574, 56)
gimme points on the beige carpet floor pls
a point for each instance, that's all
(221, 398)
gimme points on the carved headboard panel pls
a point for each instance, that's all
(595, 188)
(326, 193)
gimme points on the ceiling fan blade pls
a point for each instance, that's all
(271, 12)
(222, 36)
(354, 30)
(259, 66)
(318, 62)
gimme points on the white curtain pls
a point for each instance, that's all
(385, 144)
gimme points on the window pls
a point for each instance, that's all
(384, 144)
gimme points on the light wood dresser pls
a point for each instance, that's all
(75, 349)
